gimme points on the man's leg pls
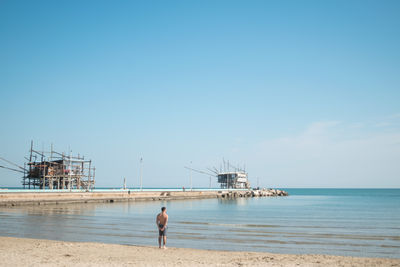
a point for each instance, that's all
(159, 241)
(165, 240)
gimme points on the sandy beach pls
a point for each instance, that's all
(34, 252)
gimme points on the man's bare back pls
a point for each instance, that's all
(161, 222)
(162, 218)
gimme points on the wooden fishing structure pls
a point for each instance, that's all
(54, 170)
(228, 176)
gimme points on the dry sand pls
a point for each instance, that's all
(34, 252)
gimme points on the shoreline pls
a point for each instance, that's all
(40, 252)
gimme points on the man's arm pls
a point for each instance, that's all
(157, 220)
(166, 222)
(165, 225)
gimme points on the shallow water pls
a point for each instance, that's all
(355, 222)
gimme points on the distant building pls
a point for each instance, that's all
(236, 179)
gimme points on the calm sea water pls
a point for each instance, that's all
(355, 222)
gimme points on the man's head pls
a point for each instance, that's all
(163, 209)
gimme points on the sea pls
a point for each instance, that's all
(347, 222)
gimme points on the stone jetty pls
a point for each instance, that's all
(253, 193)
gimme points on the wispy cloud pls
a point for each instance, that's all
(395, 116)
(332, 153)
(383, 124)
(389, 121)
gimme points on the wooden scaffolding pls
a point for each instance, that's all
(54, 170)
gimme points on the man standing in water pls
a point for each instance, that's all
(161, 222)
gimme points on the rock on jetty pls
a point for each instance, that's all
(253, 193)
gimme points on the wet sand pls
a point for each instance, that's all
(35, 252)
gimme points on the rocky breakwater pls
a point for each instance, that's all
(253, 193)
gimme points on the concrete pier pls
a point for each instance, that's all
(55, 197)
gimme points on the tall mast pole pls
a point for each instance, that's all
(70, 171)
(89, 175)
(94, 175)
(141, 174)
(30, 165)
(24, 174)
(191, 187)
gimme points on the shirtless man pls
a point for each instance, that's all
(161, 222)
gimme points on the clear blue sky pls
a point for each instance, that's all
(305, 93)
